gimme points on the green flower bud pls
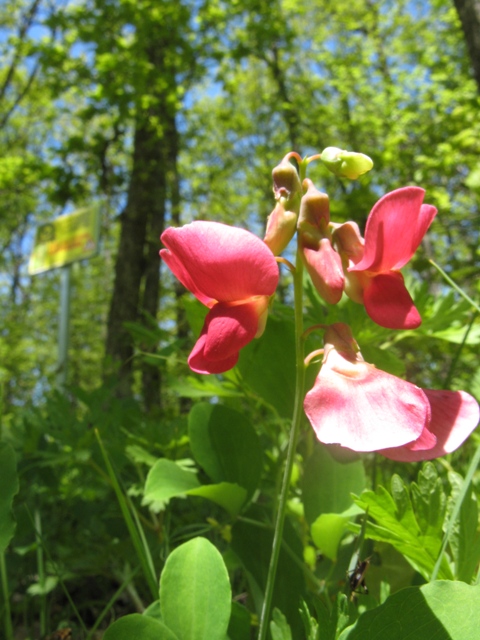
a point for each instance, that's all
(286, 185)
(281, 227)
(314, 211)
(346, 164)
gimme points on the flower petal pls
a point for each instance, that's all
(181, 272)
(455, 415)
(218, 262)
(324, 267)
(360, 407)
(226, 330)
(389, 304)
(394, 230)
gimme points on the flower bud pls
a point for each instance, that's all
(322, 262)
(314, 211)
(346, 164)
(281, 226)
(286, 184)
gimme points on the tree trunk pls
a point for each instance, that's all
(469, 14)
(145, 210)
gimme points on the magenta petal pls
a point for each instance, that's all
(389, 304)
(226, 330)
(198, 363)
(455, 415)
(218, 262)
(178, 269)
(324, 267)
(426, 440)
(362, 408)
(394, 230)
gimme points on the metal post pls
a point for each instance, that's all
(63, 326)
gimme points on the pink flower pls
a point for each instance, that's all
(234, 274)
(323, 263)
(359, 407)
(394, 230)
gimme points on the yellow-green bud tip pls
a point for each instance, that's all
(346, 164)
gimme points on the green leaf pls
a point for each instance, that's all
(225, 445)
(8, 488)
(166, 480)
(443, 610)
(195, 594)
(240, 623)
(267, 365)
(37, 589)
(279, 626)
(253, 546)
(397, 524)
(327, 484)
(465, 539)
(327, 531)
(138, 627)
(229, 496)
(429, 500)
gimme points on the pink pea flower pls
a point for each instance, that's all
(234, 274)
(394, 230)
(323, 263)
(362, 408)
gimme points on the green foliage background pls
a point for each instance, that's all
(248, 82)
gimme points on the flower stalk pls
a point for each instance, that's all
(292, 445)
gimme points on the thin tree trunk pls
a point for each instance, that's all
(145, 201)
(469, 14)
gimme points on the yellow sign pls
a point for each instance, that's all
(66, 239)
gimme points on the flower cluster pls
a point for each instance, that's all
(235, 275)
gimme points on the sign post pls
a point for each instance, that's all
(59, 243)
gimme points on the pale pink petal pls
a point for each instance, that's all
(364, 409)
(226, 330)
(324, 267)
(218, 262)
(389, 304)
(394, 230)
(455, 415)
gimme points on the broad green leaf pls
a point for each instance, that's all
(195, 594)
(167, 479)
(327, 531)
(240, 623)
(37, 589)
(327, 484)
(153, 610)
(229, 496)
(444, 610)
(226, 445)
(279, 627)
(267, 365)
(203, 387)
(138, 627)
(8, 488)
(384, 359)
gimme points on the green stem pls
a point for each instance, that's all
(6, 599)
(41, 571)
(292, 445)
(455, 286)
